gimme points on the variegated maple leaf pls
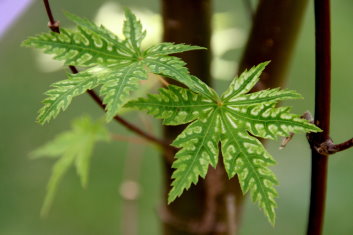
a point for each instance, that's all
(114, 64)
(234, 119)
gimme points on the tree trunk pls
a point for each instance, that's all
(189, 22)
(214, 205)
(272, 37)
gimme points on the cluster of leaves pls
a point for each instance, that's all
(116, 65)
(233, 120)
(72, 147)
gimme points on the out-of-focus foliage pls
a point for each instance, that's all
(71, 148)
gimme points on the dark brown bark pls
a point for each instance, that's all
(201, 209)
(272, 37)
(189, 22)
(322, 116)
(275, 30)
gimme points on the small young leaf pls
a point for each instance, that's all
(227, 120)
(73, 147)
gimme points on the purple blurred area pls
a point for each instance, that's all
(10, 11)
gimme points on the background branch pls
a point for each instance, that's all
(189, 22)
(249, 9)
(272, 37)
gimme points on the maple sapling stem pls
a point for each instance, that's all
(53, 25)
(123, 138)
(322, 116)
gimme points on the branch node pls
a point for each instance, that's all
(324, 147)
(327, 147)
(308, 116)
(55, 27)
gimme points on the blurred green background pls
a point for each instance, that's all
(100, 209)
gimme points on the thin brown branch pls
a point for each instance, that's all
(340, 147)
(54, 26)
(319, 163)
(132, 127)
(146, 122)
(328, 147)
(124, 138)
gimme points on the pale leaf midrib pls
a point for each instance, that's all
(82, 49)
(251, 118)
(260, 100)
(188, 82)
(173, 106)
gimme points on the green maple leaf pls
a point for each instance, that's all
(232, 119)
(116, 65)
(72, 147)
